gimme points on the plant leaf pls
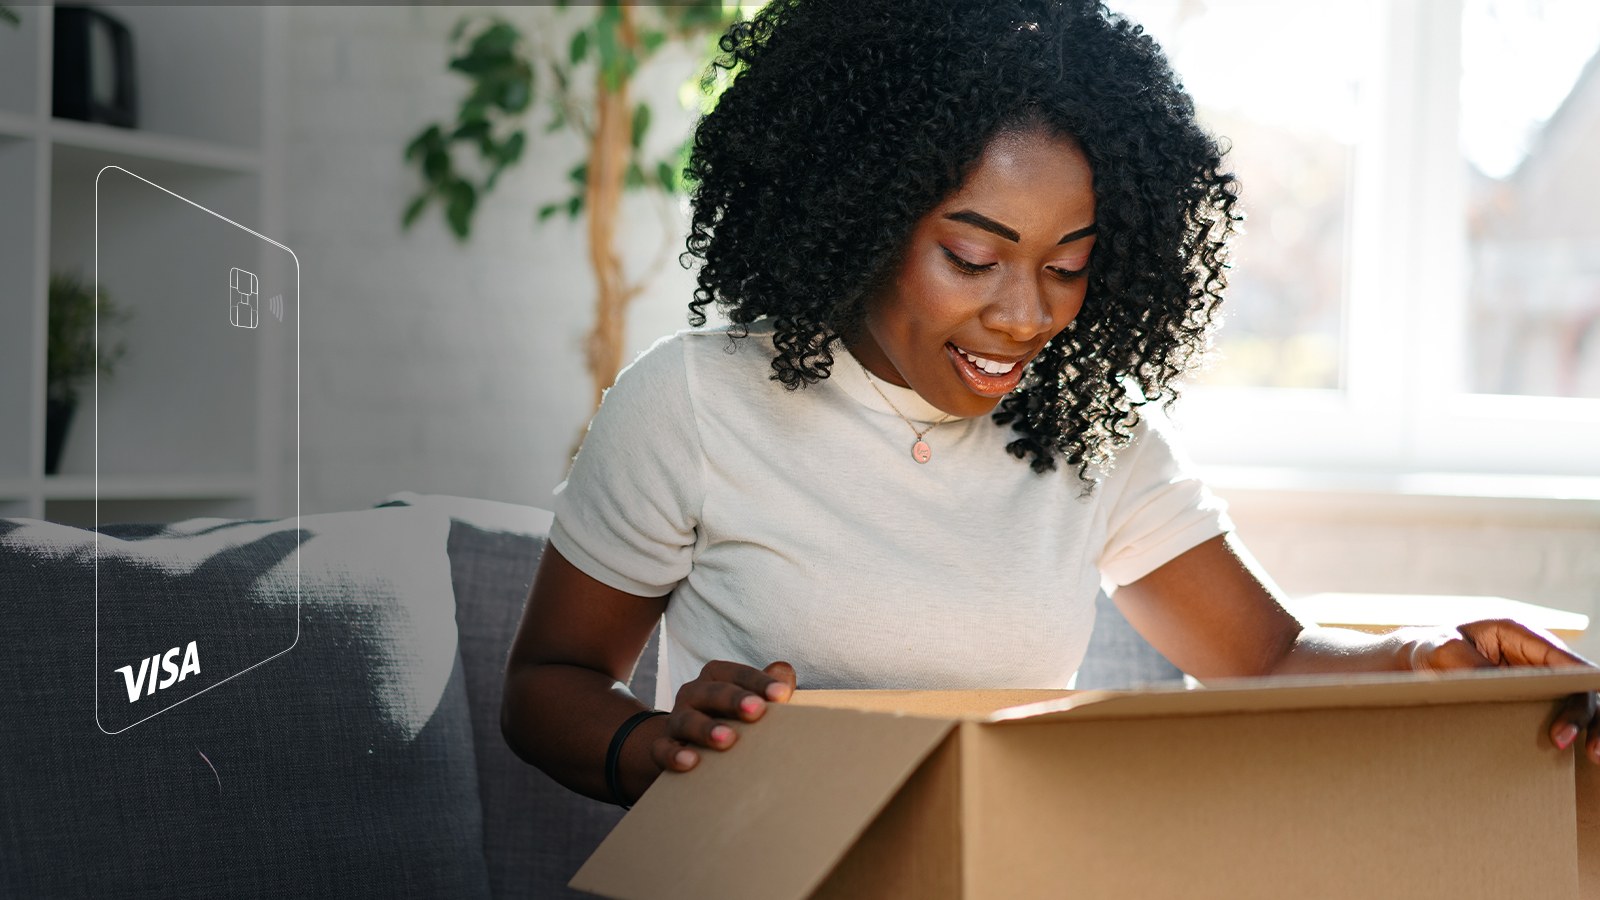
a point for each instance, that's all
(478, 65)
(463, 198)
(511, 150)
(431, 135)
(514, 95)
(418, 204)
(605, 30)
(641, 123)
(436, 165)
(472, 129)
(548, 210)
(497, 40)
(579, 48)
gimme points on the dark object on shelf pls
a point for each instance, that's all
(57, 417)
(94, 68)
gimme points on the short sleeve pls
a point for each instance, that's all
(1158, 506)
(628, 512)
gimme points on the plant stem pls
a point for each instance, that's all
(611, 146)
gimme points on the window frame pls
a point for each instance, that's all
(1400, 410)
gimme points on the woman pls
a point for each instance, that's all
(963, 244)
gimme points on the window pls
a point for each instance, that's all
(1530, 120)
(1418, 285)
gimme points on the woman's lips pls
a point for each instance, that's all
(980, 382)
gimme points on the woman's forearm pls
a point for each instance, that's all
(1319, 649)
(561, 718)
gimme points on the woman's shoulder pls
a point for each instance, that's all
(689, 376)
(706, 353)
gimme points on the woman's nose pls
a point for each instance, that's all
(1020, 310)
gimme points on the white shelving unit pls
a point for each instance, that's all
(210, 87)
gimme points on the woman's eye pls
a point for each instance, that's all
(971, 268)
(1068, 274)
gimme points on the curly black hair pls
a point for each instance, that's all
(847, 121)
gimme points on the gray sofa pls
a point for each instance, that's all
(365, 761)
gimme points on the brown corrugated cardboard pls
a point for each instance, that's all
(1366, 787)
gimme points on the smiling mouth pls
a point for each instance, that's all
(984, 376)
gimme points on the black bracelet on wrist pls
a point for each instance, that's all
(614, 753)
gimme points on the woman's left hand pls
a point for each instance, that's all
(1503, 642)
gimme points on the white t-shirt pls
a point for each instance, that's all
(795, 525)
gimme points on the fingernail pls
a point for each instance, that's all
(1565, 736)
(777, 691)
(723, 734)
(685, 758)
(751, 705)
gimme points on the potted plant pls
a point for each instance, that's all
(73, 357)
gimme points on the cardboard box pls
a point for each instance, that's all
(1379, 613)
(1373, 786)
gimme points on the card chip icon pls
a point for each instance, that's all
(244, 299)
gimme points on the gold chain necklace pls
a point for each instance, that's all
(920, 451)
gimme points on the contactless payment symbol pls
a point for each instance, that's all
(244, 299)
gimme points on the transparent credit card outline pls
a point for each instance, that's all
(95, 674)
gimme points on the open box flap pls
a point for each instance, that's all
(779, 809)
(1312, 692)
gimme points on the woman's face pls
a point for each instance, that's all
(993, 272)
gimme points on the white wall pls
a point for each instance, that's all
(428, 365)
(439, 368)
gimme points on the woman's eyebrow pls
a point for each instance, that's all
(987, 224)
(1083, 232)
(979, 220)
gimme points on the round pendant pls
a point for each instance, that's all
(921, 452)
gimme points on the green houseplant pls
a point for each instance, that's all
(73, 357)
(582, 88)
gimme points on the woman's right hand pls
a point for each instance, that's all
(724, 690)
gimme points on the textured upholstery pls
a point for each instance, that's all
(1118, 657)
(343, 767)
(536, 832)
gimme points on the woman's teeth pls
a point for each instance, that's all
(988, 365)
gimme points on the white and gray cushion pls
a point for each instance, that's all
(340, 768)
(537, 833)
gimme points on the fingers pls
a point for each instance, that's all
(775, 682)
(1593, 729)
(1506, 642)
(673, 756)
(1458, 654)
(783, 684)
(1577, 714)
(724, 690)
(1511, 643)
(1492, 642)
(1433, 650)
